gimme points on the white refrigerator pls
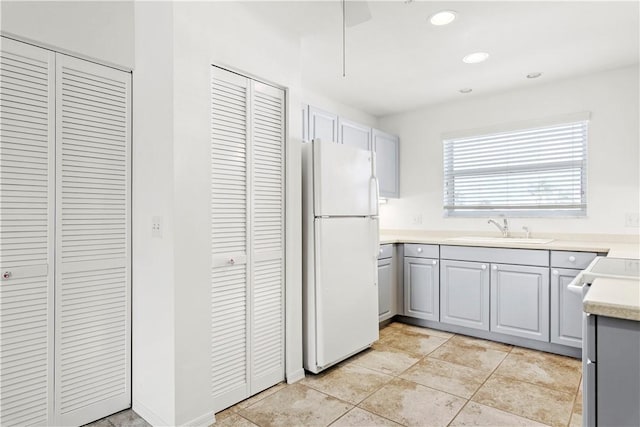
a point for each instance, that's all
(340, 249)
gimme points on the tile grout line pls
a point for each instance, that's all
(494, 373)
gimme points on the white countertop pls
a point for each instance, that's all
(607, 297)
(614, 298)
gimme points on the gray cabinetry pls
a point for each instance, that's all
(612, 372)
(421, 288)
(566, 306)
(387, 292)
(520, 301)
(386, 147)
(464, 293)
(421, 281)
(566, 309)
(354, 134)
(323, 125)
(327, 126)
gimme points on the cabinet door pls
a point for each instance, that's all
(386, 147)
(464, 294)
(566, 309)
(229, 238)
(520, 301)
(267, 234)
(421, 288)
(354, 134)
(323, 125)
(26, 234)
(385, 284)
(93, 257)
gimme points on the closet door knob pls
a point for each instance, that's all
(484, 267)
(419, 250)
(495, 267)
(6, 275)
(572, 258)
(555, 272)
(232, 261)
(434, 262)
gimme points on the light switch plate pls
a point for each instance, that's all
(632, 219)
(156, 227)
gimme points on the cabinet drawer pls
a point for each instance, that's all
(577, 260)
(385, 251)
(421, 251)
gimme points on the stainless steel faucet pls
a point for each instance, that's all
(503, 228)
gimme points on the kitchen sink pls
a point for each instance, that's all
(481, 239)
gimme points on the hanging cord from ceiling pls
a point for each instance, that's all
(344, 30)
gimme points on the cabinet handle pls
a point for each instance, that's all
(495, 267)
(6, 275)
(419, 250)
(484, 267)
(434, 262)
(572, 259)
(555, 272)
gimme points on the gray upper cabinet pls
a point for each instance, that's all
(322, 125)
(327, 126)
(387, 149)
(566, 309)
(421, 290)
(520, 301)
(354, 134)
(464, 293)
(385, 289)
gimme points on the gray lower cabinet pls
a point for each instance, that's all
(520, 301)
(611, 372)
(421, 288)
(566, 309)
(385, 285)
(464, 293)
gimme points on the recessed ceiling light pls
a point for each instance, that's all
(533, 75)
(443, 18)
(474, 58)
(466, 90)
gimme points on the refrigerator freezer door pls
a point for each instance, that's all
(346, 287)
(344, 180)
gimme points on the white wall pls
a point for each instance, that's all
(101, 30)
(153, 323)
(613, 181)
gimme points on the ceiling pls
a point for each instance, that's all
(398, 61)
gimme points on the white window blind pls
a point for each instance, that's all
(538, 171)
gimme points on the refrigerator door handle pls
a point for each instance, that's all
(375, 195)
(376, 232)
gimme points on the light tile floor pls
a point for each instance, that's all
(418, 377)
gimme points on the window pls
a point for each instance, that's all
(537, 171)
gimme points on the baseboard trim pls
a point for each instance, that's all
(296, 376)
(204, 420)
(148, 415)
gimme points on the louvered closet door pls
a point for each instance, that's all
(26, 234)
(230, 233)
(92, 245)
(267, 231)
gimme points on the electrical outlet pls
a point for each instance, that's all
(156, 227)
(632, 219)
(417, 219)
